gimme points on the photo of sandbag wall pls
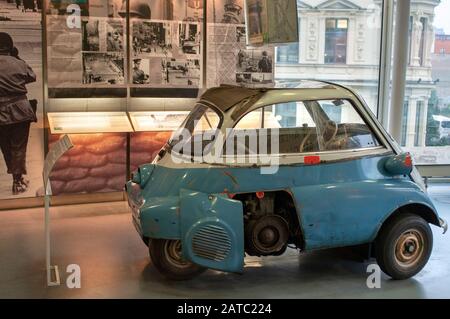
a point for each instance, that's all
(98, 162)
(144, 146)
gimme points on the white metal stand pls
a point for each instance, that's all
(58, 149)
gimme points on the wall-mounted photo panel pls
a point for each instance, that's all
(21, 100)
(166, 55)
(87, 53)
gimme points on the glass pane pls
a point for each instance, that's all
(343, 128)
(338, 45)
(426, 113)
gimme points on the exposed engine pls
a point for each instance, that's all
(268, 223)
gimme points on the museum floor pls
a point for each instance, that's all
(114, 263)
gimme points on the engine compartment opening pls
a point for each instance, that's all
(270, 223)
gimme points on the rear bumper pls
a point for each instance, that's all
(443, 224)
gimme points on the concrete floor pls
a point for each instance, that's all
(114, 263)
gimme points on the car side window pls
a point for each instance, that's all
(342, 127)
(301, 127)
(290, 125)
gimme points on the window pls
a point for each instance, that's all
(323, 49)
(336, 41)
(309, 126)
(288, 53)
(198, 131)
(427, 86)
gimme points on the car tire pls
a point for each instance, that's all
(404, 246)
(166, 257)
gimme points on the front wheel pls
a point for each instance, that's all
(167, 257)
(404, 246)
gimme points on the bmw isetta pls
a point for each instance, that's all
(324, 173)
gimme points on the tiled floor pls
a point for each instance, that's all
(114, 263)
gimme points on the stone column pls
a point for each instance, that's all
(423, 123)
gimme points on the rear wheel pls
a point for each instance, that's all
(167, 257)
(404, 246)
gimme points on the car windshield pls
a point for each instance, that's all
(198, 131)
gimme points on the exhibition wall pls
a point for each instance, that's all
(119, 76)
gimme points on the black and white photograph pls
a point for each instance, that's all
(241, 35)
(231, 62)
(114, 36)
(91, 35)
(181, 73)
(140, 71)
(152, 38)
(103, 69)
(254, 61)
(226, 11)
(190, 38)
(243, 78)
(21, 99)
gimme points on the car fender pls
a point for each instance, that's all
(160, 218)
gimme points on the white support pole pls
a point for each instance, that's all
(58, 150)
(385, 62)
(400, 64)
(51, 280)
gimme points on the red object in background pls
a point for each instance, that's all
(442, 44)
(260, 195)
(311, 160)
(408, 160)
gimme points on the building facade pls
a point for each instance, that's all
(340, 41)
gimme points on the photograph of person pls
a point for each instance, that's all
(114, 37)
(91, 38)
(265, 63)
(16, 112)
(139, 76)
(254, 61)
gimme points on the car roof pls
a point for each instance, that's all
(226, 97)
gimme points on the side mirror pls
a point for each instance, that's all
(400, 164)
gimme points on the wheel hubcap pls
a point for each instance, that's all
(268, 236)
(174, 255)
(409, 248)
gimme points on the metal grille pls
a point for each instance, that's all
(211, 242)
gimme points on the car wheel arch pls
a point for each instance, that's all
(420, 209)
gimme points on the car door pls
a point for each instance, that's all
(212, 230)
(340, 198)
